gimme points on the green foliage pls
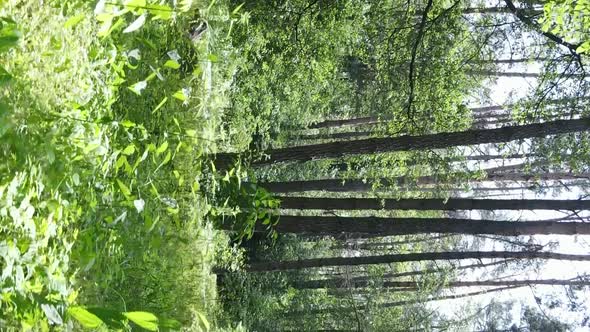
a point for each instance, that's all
(107, 114)
(570, 20)
(246, 207)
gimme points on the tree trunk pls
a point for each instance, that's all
(329, 225)
(503, 74)
(429, 204)
(401, 303)
(361, 185)
(413, 257)
(512, 61)
(343, 135)
(343, 282)
(413, 286)
(410, 143)
(499, 10)
(375, 245)
(344, 122)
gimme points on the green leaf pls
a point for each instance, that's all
(179, 95)
(74, 20)
(212, 57)
(124, 189)
(204, 322)
(138, 87)
(584, 48)
(129, 150)
(166, 159)
(111, 318)
(128, 123)
(84, 317)
(172, 64)
(138, 23)
(237, 9)
(5, 76)
(8, 41)
(144, 319)
(162, 148)
(160, 105)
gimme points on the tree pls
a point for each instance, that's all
(343, 282)
(323, 203)
(405, 302)
(329, 225)
(414, 286)
(413, 257)
(409, 143)
(362, 185)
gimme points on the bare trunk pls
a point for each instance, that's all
(429, 204)
(503, 74)
(410, 143)
(344, 122)
(401, 303)
(350, 282)
(413, 257)
(361, 185)
(413, 286)
(329, 225)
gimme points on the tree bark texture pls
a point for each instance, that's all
(429, 204)
(410, 143)
(329, 225)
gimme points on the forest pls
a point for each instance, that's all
(295, 165)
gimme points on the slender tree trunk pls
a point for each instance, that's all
(503, 74)
(413, 257)
(343, 166)
(410, 143)
(328, 225)
(485, 111)
(361, 185)
(499, 10)
(364, 280)
(344, 122)
(412, 285)
(401, 303)
(429, 204)
(342, 135)
(513, 61)
(375, 245)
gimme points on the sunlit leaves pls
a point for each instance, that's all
(172, 64)
(138, 23)
(124, 189)
(84, 317)
(74, 20)
(146, 320)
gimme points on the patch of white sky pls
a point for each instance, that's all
(503, 91)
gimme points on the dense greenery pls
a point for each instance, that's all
(134, 133)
